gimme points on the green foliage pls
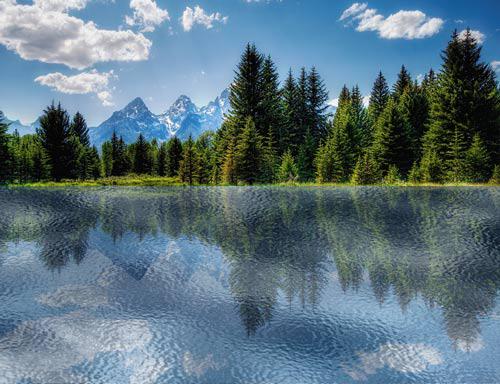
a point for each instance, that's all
(402, 83)
(391, 144)
(188, 167)
(477, 162)
(464, 102)
(248, 155)
(495, 178)
(54, 133)
(288, 169)
(414, 176)
(142, 156)
(366, 171)
(79, 129)
(378, 98)
(5, 154)
(305, 159)
(393, 176)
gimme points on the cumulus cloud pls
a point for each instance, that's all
(83, 83)
(400, 25)
(190, 17)
(406, 358)
(44, 31)
(147, 15)
(476, 35)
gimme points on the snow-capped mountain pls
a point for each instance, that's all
(182, 119)
(20, 127)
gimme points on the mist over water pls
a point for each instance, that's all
(250, 285)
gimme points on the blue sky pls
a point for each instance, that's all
(97, 55)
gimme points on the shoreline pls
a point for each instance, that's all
(151, 181)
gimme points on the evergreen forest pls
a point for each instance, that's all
(442, 129)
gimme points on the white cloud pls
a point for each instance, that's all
(81, 84)
(400, 25)
(147, 15)
(45, 32)
(476, 35)
(335, 102)
(406, 358)
(60, 5)
(495, 65)
(353, 10)
(191, 17)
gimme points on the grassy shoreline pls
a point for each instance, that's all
(157, 181)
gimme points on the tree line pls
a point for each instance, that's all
(445, 128)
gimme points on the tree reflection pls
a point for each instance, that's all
(436, 244)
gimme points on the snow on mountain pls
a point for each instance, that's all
(20, 127)
(182, 119)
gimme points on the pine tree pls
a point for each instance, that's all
(162, 159)
(414, 107)
(246, 91)
(477, 162)
(188, 171)
(465, 101)
(248, 156)
(272, 118)
(94, 163)
(305, 159)
(289, 135)
(54, 133)
(229, 165)
(174, 156)
(204, 154)
(495, 178)
(107, 158)
(391, 145)
(317, 97)
(358, 117)
(79, 129)
(366, 171)
(404, 81)
(142, 159)
(288, 169)
(5, 155)
(269, 161)
(378, 98)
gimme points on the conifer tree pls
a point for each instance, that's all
(246, 91)
(269, 161)
(54, 133)
(107, 158)
(404, 81)
(305, 159)
(94, 163)
(248, 156)
(203, 148)
(271, 105)
(414, 107)
(162, 159)
(378, 98)
(477, 162)
(358, 117)
(289, 136)
(288, 169)
(174, 156)
(317, 97)
(464, 103)
(366, 171)
(188, 171)
(391, 145)
(79, 129)
(5, 156)
(142, 160)
(229, 174)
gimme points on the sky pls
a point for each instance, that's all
(95, 56)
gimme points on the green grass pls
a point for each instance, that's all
(144, 180)
(130, 180)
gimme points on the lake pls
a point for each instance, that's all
(250, 285)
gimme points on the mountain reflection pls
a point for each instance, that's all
(442, 245)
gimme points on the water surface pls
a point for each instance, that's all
(250, 285)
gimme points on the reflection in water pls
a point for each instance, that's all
(440, 245)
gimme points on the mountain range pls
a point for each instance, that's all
(182, 119)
